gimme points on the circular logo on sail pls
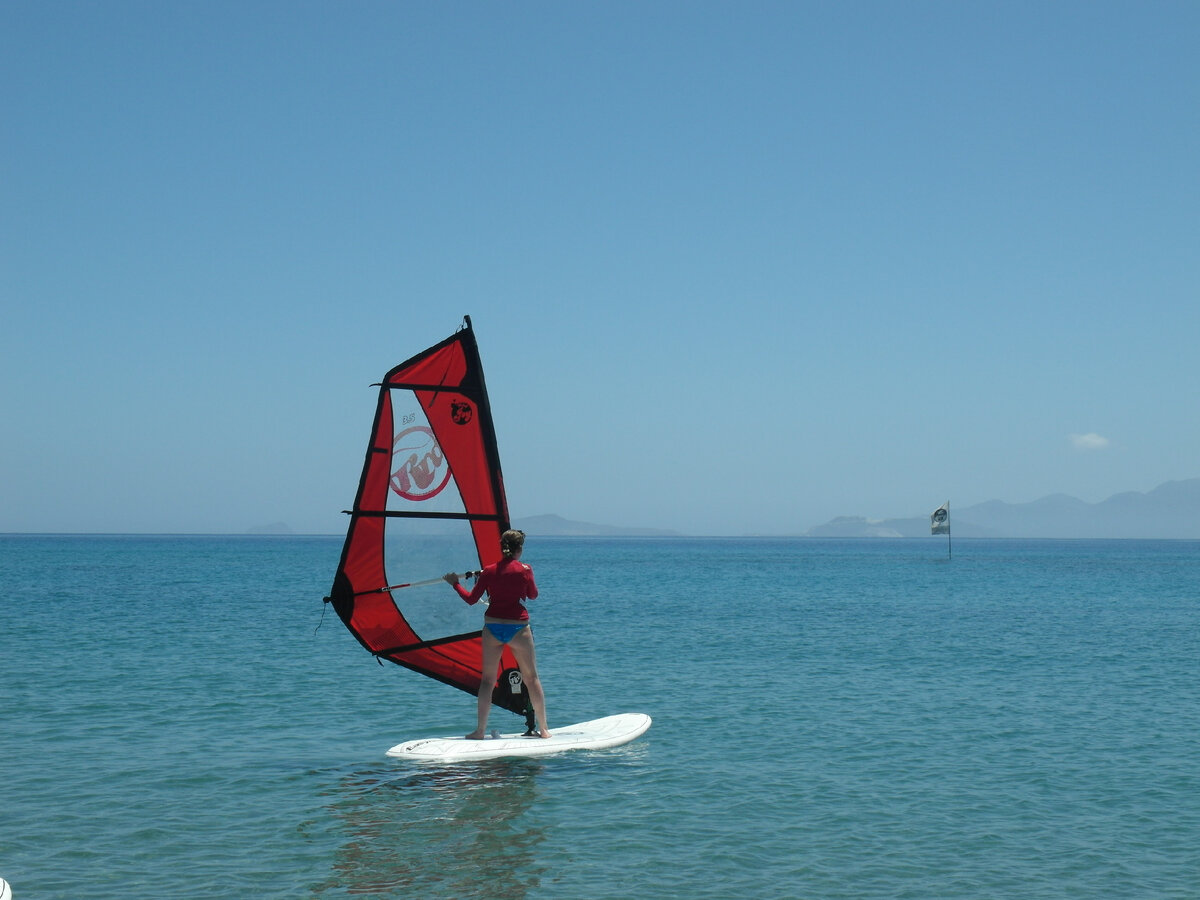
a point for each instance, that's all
(422, 471)
(461, 412)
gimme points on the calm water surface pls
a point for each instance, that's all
(832, 719)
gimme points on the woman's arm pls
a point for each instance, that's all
(472, 596)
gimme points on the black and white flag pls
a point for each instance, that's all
(939, 522)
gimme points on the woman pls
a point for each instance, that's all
(507, 582)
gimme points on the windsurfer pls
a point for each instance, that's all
(508, 583)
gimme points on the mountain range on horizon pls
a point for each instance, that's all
(1170, 511)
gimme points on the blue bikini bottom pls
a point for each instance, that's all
(504, 632)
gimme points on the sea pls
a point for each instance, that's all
(184, 717)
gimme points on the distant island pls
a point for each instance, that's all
(540, 526)
(557, 526)
(1171, 510)
(273, 528)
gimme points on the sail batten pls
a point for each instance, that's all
(424, 645)
(430, 496)
(400, 514)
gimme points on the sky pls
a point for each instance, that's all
(734, 268)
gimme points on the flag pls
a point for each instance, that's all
(939, 522)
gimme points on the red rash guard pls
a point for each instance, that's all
(507, 583)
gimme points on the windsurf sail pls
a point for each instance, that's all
(430, 500)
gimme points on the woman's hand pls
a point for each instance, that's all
(451, 577)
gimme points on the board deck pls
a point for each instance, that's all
(597, 734)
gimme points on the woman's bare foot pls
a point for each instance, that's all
(543, 733)
(476, 735)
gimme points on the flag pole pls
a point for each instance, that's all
(949, 548)
(940, 522)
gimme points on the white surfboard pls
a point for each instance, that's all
(5, 890)
(598, 734)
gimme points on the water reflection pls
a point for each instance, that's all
(438, 831)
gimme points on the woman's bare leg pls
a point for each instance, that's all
(522, 648)
(491, 661)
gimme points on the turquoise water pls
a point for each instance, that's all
(832, 719)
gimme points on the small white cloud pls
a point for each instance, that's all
(1090, 441)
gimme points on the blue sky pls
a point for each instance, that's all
(734, 268)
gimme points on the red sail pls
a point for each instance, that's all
(431, 500)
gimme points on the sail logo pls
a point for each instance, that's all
(461, 412)
(423, 471)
